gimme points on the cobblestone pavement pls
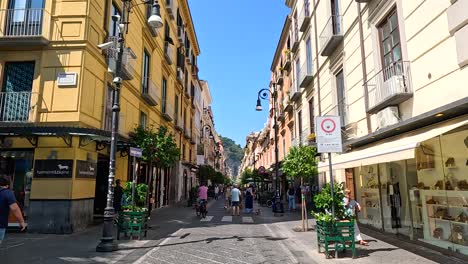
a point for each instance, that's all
(178, 236)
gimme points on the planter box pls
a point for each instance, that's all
(337, 236)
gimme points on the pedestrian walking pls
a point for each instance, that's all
(235, 200)
(216, 191)
(291, 198)
(249, 201)
(353, 206)
(7, 203)
(227, 197)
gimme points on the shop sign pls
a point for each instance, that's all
(66, 78)
(328, 131)
(85, 169)
(53, 168)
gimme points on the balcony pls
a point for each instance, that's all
(294, 41)
(288, 107)
(179, 124)
(180, 76)
(168, 52)
(188, 133)
(279, 77)
(296, 142)
(390, 86)
(304, 17)
(18, 106)
(286, 60)
(167, 111)
(181, 35)
(170, 9)
(150, 92)
(24, 27)
(305, 75)
(332, 35)
(295, 92)
(363, 1)
(128, 60)
(195, 71)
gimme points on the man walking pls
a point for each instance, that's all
(216, 191)
(235, 200)
(7, 203)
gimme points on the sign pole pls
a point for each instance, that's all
(332, 183)
(133, 182)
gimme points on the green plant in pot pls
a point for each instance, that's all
(323, 202)
(141, 190)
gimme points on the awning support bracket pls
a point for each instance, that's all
(85, 140)
(68, 139)
(100, 145)
(33, 140)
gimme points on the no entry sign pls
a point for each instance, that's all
(328, 131)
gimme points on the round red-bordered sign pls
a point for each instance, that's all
(324, 126)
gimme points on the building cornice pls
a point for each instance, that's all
(281, 42)
(184, 6)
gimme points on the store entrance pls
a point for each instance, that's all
(100, 196)
(17, 166)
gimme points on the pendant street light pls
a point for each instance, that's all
(107, 240)
(263, 94)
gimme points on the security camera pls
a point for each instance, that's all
(106, 45)
(115, 18)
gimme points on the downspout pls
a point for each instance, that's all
(364, 68)
(317, 58)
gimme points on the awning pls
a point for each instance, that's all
(392, 150)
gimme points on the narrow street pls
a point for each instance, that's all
(178, 236)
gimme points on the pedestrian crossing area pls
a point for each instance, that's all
(229, 219)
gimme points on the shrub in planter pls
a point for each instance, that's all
(323, 202)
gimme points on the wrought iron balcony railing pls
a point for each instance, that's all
(128, 59)
(30, 26)
(390, 86)
(18, 106)
(305, 75)
(304, 17)
(332, 35)
(150, 92)
(168, 52)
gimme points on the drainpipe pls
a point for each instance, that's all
(364, 68)
(317, 58)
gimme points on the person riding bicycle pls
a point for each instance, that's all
(202, 193)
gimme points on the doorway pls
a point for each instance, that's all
(100, 195)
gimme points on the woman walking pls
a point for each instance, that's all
(248, 201)
(352, 205)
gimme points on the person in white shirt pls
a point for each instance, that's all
(235, 200)
(216, 191)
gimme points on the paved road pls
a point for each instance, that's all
(178, 236)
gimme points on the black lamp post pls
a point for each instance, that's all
(107, 240)
(263, 94)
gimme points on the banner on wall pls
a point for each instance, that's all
(53, 168)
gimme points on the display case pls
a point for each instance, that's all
(445, 217)
(370, 207)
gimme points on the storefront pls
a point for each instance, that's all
(415, 185)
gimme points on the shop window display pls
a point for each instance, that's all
(443, 192)
(368, 195)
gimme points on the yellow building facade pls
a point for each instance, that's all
(56, 103)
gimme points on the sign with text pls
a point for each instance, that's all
(53, 168)
(136, 152)
(85, 169)
(328, 131)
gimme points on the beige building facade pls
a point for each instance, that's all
(395, 72)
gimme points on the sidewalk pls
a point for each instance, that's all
(382, 248)
(80, 247)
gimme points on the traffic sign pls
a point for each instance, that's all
(136, 152)
(328, 131)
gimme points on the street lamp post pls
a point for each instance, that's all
(107, 240)
(263, 94)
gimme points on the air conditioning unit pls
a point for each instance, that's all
(350, 130)
(392, 86)
(180, 74)
(388, 116)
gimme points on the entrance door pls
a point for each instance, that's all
(100, 196)
(17, 166)
(15, 99)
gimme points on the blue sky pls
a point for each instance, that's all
(237, 39)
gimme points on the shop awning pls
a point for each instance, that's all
(400, 148)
